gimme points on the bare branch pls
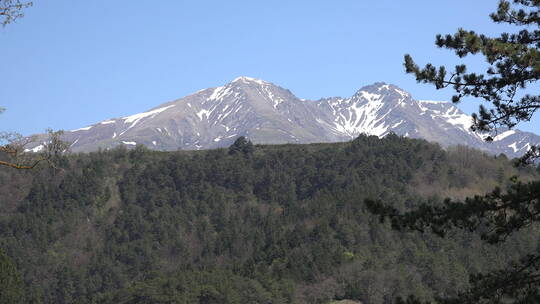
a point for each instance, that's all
(15, 154)
(11, 10)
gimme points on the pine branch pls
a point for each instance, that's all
(495, 214)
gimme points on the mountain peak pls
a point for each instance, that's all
(249, 80)
(382, 88)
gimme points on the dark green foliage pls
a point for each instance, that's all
(278, 224)
(11, 284)
(514, 65)
(206, 286)
(241, 145)
(496, 215)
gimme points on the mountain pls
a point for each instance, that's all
(267, 113)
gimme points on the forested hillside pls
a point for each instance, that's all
(247, 224)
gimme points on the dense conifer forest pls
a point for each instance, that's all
(246, 224)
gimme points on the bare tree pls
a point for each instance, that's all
(13, 146)
(15, 154)
(11, 10)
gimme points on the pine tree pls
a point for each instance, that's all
(241, 144)
(514, 65)
(514, 60)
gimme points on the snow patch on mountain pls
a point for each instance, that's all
(219, 93)
(202, 113)
(75, 142)
(463, 121)
(134, 119)
(360, 115)
(35, 149)
(514, 147)
(246, 79)
(370, 96)
(82, 129)
(504, 135)
(397, 124)
(445, 111)
(270, 96)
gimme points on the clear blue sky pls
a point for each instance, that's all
(68, 64)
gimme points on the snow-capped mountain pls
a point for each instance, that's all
(266, 113)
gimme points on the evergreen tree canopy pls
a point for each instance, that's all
(514, 65)
(514, 60)
(241, 144)
(283, 224)
(11, 284)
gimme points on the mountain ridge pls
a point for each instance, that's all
(269, 114)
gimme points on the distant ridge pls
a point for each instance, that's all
(269, 114)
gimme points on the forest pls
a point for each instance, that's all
(246, 224)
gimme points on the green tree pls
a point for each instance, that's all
(514, 66)
(11, 284)
(241, 145)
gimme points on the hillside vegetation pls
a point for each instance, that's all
(247, 224)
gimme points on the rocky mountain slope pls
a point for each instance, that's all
(267, 113)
